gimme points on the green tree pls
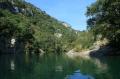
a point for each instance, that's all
(104, 19)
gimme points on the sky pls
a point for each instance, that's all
(69, 11)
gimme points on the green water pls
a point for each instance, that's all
(57, 67)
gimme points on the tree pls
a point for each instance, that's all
(104, 19)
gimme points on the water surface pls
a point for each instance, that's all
(31, 66)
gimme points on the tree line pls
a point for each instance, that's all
(104, 19)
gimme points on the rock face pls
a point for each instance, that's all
(7, 5)
(16, 9)
(84, 54)
(41, 52)
(7, 46)
(96, 52)
(58, 35)
(65, 24)
(41, 31)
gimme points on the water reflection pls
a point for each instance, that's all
(101, 66)
(59, 68)
(31, 66)
(77, 75)
(12, 65)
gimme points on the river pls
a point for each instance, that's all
(32, 66)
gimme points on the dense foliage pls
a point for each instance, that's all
(84, 41)
(104, 19)
(32, 28)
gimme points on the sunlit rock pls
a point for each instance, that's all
(23, 10)
(16, 9)
(41, 52)
(58, 35)
(76, 32)
(65, 24)
(13, 40)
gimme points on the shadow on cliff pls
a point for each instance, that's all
(105, 51)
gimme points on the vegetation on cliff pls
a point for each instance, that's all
(32, 28)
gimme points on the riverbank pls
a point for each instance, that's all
(73, 54)
(96, 52)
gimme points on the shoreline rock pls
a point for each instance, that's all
(96, 52)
